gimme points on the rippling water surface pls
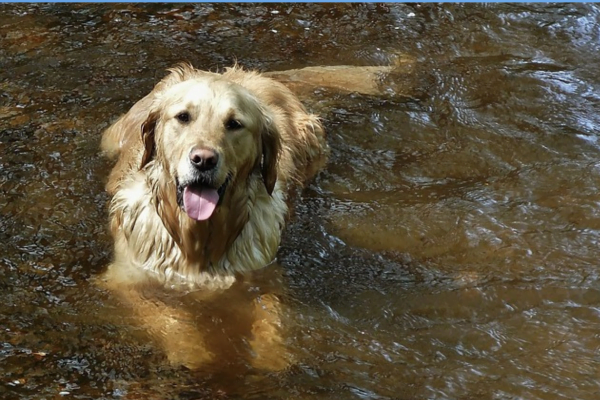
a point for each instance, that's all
(448, 250)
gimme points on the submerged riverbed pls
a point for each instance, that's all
(449, 249)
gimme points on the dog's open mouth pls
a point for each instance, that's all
(199, 200)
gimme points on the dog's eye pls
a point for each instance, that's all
(233, 124)
(183, 116)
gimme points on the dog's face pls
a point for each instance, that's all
(209, 133)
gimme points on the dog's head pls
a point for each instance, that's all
(208, 133)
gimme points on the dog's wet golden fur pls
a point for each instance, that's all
(204, 165)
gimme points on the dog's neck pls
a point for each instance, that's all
(205, 242)
(207, 246)
(153, 234)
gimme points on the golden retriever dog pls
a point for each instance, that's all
(204, 166)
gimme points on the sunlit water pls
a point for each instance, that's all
(448, 250)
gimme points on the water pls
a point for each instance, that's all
(448, 250)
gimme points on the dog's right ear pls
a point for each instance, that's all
(148, 128)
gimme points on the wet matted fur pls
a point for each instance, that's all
(204, 165)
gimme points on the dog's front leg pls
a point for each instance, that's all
(266, 341)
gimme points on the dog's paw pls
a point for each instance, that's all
(183, 344)
(268, 348)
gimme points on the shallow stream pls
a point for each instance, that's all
(449, 249)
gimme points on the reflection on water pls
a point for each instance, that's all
(448, 250)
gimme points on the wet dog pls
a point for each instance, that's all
(204, 166)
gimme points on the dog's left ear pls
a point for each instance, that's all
(271, 146)
(148, 128)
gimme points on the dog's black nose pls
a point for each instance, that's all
(204, 159)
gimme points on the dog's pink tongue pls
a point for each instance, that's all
(199, 203)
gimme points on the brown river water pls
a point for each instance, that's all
(448, 250)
